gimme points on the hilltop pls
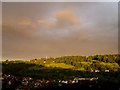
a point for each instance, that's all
(105, 68)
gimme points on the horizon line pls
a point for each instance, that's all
(53, 57)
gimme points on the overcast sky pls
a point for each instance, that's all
(34, 30)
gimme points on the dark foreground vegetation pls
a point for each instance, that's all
(99, 72)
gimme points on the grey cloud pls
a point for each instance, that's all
(33, 30)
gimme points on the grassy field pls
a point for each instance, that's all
(59, 65)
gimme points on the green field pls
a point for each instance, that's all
(59, 65)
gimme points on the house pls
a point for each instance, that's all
(44, 61)
(97, 70)
(107, 70)
(34, 60)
